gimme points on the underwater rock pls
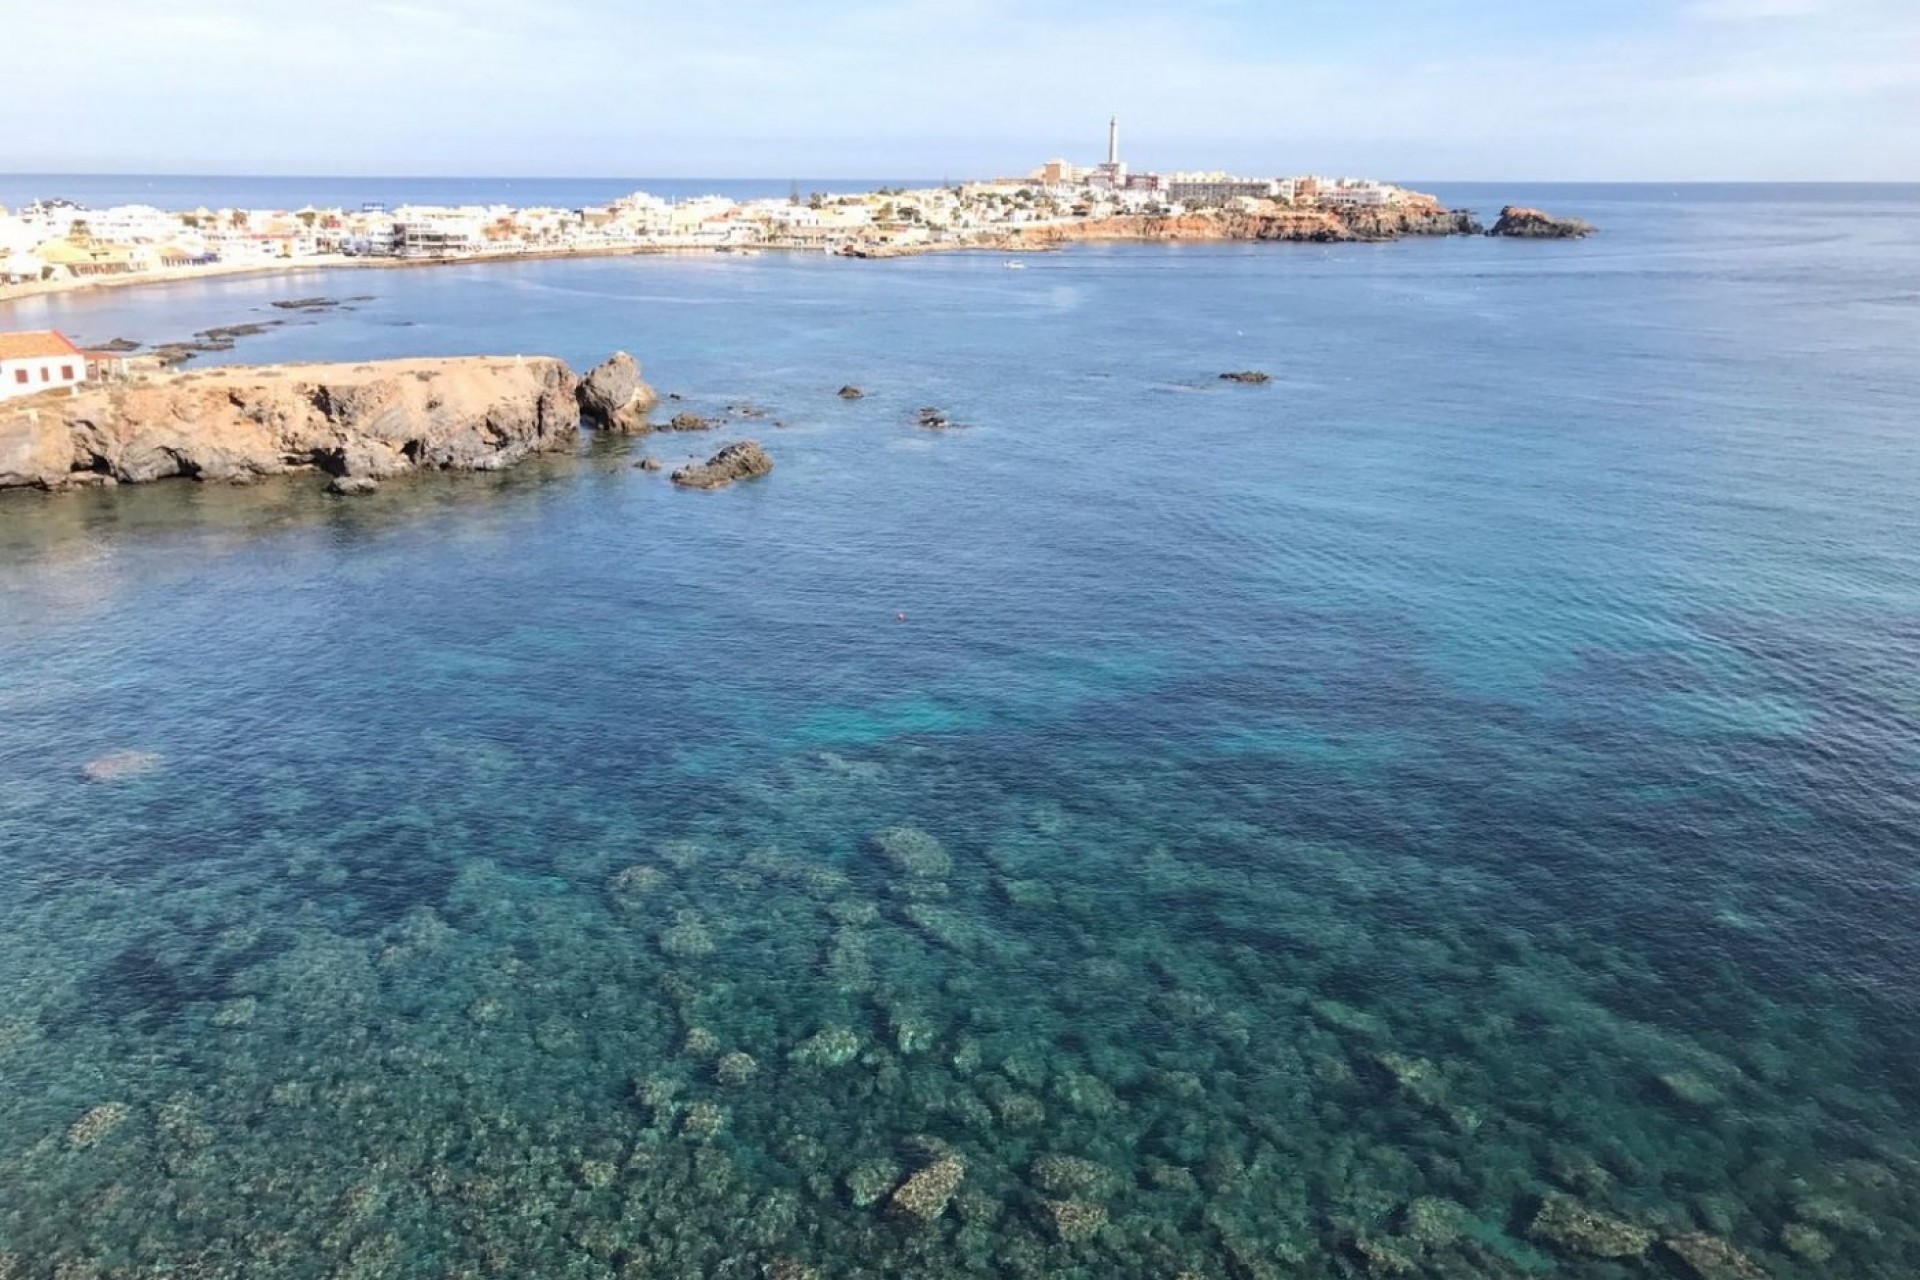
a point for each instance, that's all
(1711, 1258)
(235, 1013)
(1434, 1221)
(1072, 1177)
(1689, 1089)
(352, 486)
(596, 1174)
(1381, 1259)
(868, 1183)
(116, 765)
(700, 1043)
(628, 887)
(914, 853)
(96, 1124)
(923, 1197)
(831, 1047)
(1344, 1017)
(1805, 1243)
(934, 420)
(736, 1068)
(703, 1122)
(1075, 1220)
(913, 1035)
(649, 463)
(1567, 1224)
(688, 937)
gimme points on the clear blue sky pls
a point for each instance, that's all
(1461, 89)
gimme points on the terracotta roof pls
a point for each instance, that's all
(35, 342)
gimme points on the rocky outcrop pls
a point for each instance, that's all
(613, 397)
(1248, 377)
(1521, 223)
(358, 421)
(741, 461)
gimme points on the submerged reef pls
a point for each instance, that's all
(1031, 1044)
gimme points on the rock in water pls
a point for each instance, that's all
(116, 765)
(613, 397)
(851, 392)
(741, 461)
(1531, 224)
(352, 486)
(1250, 377)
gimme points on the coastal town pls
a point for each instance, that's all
(55, 244)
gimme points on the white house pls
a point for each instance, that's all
(39, 360)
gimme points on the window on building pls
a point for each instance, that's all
(66, 373)
(46, 374)
(20, 376)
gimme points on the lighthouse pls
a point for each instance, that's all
(1113, 143)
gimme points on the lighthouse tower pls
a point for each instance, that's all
(1112, 174)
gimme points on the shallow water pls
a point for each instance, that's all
(1476, 769)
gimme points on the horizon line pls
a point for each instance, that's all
(661, 177)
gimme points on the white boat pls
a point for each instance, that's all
(1016, 266)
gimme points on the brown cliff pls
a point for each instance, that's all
(366, 420)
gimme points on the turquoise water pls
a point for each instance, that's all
(1327, 829)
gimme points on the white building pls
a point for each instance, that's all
(39, 360)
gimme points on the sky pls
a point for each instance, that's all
(1569, 90)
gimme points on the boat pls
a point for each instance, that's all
(1015, 266)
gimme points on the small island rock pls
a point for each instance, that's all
(1519, 223)
(741, 461)
(1249, 377)
(851, 392)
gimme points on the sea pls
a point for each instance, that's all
(1452, 811)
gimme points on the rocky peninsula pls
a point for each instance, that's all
(360, 423)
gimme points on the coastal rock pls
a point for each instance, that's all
(613, 397)
(851, 392)
(352, 486)
(36, 448)
(689, 422)
(741, 461)
(1249, 377)
(649, 463)
(933, 419)
(1520, 223)
(239, 423)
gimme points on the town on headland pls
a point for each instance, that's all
(55, 244)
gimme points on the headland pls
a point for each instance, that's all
(55, 245)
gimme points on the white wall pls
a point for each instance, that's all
(34, 367)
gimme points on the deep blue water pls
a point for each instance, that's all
(1475, 770)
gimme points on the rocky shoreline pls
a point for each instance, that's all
(359, 424)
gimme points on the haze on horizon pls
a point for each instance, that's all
(1669, 90)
